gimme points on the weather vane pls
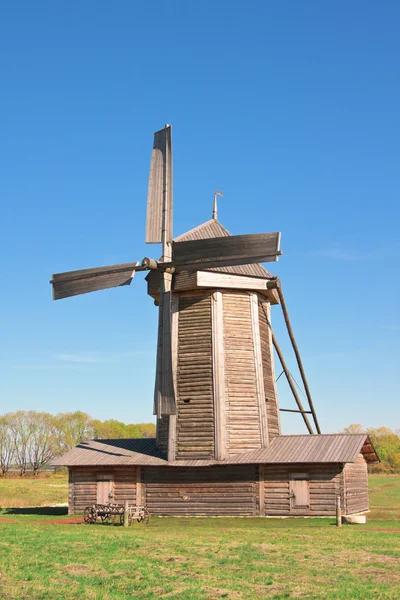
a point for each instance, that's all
(215, 211)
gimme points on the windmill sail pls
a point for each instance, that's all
(75, 283)
(160, 178)
(159, 230)
(232, 250)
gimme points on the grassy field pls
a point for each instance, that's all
(201, 559)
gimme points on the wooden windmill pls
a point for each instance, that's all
(215, 393)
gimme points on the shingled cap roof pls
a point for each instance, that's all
(293, 449)
(213, 229)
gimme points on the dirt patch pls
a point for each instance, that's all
(390, 529)
(2, 520)
(67, 521)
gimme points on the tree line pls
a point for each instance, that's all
(387, 444)
(29, 440)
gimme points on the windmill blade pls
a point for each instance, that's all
(226, 251)
(75, 283)
(164, 392)
(159, 212)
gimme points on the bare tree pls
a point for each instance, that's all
(6, 445)
(42, 439)
(20, 434)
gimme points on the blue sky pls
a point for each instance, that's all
(290, 108)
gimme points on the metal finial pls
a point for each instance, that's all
(215, 210)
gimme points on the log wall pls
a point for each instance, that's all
(209, 491)
(83, 485)
(195, 403)
(355, 478)
(324, 482)
(246, 490)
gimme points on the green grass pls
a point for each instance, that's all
(206, 559)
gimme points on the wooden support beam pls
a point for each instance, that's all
(139, 490)
(261, 489)
(262, 408)
(288, 376)
(278, 287)
(218, 374)
(303, 412)
(174, 360)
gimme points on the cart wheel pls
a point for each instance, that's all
(145, 517)
(90, 515)
(121, 519)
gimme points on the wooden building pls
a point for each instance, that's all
(219, 448)
(222, 452)
(296, 475)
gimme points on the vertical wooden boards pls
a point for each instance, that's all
(261, 490)
(267, 352)
(218, 374)
(163, 433)
(210, 491)
(71, 496)
(241, 396)
(139, 487)
(355, 487)
(195, 405)
(174, 359)
(262, 409)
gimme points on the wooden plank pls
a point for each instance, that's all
(259, 370)
(75, 283)
(160, 173)
(226, 280)
(235, 249)
(218, 374)
(261, 490)
(174, 358)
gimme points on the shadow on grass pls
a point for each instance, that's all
(37, 510)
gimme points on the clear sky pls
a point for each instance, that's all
(290, 108)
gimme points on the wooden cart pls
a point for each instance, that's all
(110, 512)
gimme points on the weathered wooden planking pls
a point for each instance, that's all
(83, 281)
(262, 410)
(160, 172)
(267, 352)
(195, 402)
(355, 477)
(218, 374)
(211, 279)
(163, 433)
(235, 249)
(213, 491)
(241, 394)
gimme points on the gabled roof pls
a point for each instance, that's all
(284, 449)
(212, 229)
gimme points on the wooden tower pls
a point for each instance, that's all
(222, 355)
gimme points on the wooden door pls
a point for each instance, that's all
(299, 491)
(104, 491)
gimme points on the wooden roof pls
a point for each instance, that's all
(213, 229)
(294, 449)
